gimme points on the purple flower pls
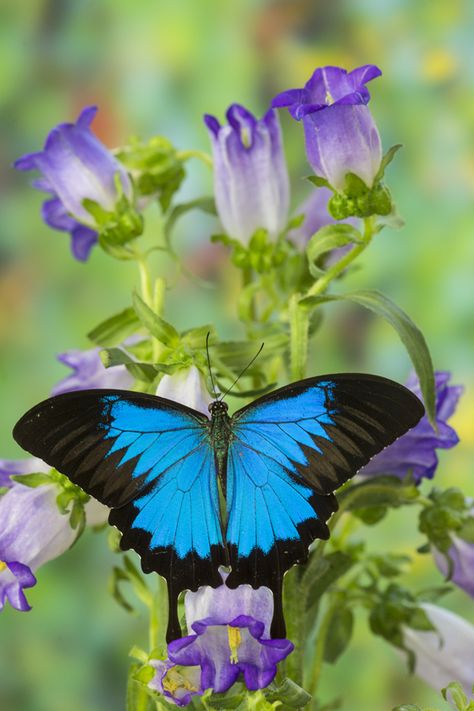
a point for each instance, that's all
(177, 683)
(229, 635)
(340, 133)
(90, 372)
(32, 532)
(75, 165)
(250, 175)
(461, 554)
(415, 451)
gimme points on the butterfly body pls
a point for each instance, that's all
(191, 493)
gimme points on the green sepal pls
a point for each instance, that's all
(325, 240)
(3, 490)
(117, 576)
(295, 222)
(389, 565)
(232, 699)
(454, 694)
(410, 335)
(466, 532)
(291, 695)
(139, 654)
(34, 479)
(449, 513)
(318, 181)
(115, 329)
(434, 593)
(386, 160)
(407, 707)
(358, 200)
(157, 326)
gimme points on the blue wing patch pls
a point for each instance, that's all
(150, 460)
(290, 450)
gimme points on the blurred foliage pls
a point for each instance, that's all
(155, 66)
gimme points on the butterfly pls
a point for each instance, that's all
(191, 493)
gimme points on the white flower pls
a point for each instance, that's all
(446, 655)
(186, 387)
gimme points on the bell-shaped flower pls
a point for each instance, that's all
(32, 532)
(178, 684)
(251, 182)
(444, 655)
(460, 565)
(229, 635)
(340, 133)
(415, 451)
(90, 372)
(76, 166)
(187, 387)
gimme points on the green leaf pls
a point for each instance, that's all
(230, 700)
(321, 572)
(115, 329)
(342, 625)
(325, 240)
(407, 707)
(466, 532)
(386, 160)
(158, 327)
(289, 693)
(379, 491)
(371, 515)
(410, 335)
(117, 356)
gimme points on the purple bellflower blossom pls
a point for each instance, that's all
(340, 133)
(461, 554)
(251, 181)
(75, 165)
(32, 531)
(90, 372)
(415, 451)
(444, 654)
(229, 635)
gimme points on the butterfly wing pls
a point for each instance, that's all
(150, 460)
(290, 450)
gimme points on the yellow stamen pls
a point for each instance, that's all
(245, 136)
(174, 680)
(328, 99)
(2, 565)
(235, 639)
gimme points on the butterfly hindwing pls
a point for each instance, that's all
(149, 459)
(290, 450)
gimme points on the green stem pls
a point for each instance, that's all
(321, 284)
(299, 328)
(322, 635)
(145, 282)
(156, 607)
(200, 155)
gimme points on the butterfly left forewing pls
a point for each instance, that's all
(290, 450)
(150, 460)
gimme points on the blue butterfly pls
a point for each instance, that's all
(249, 492)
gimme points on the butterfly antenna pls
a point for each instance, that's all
(214, 392)
(244, 371)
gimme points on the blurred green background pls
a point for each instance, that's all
(155, 66)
